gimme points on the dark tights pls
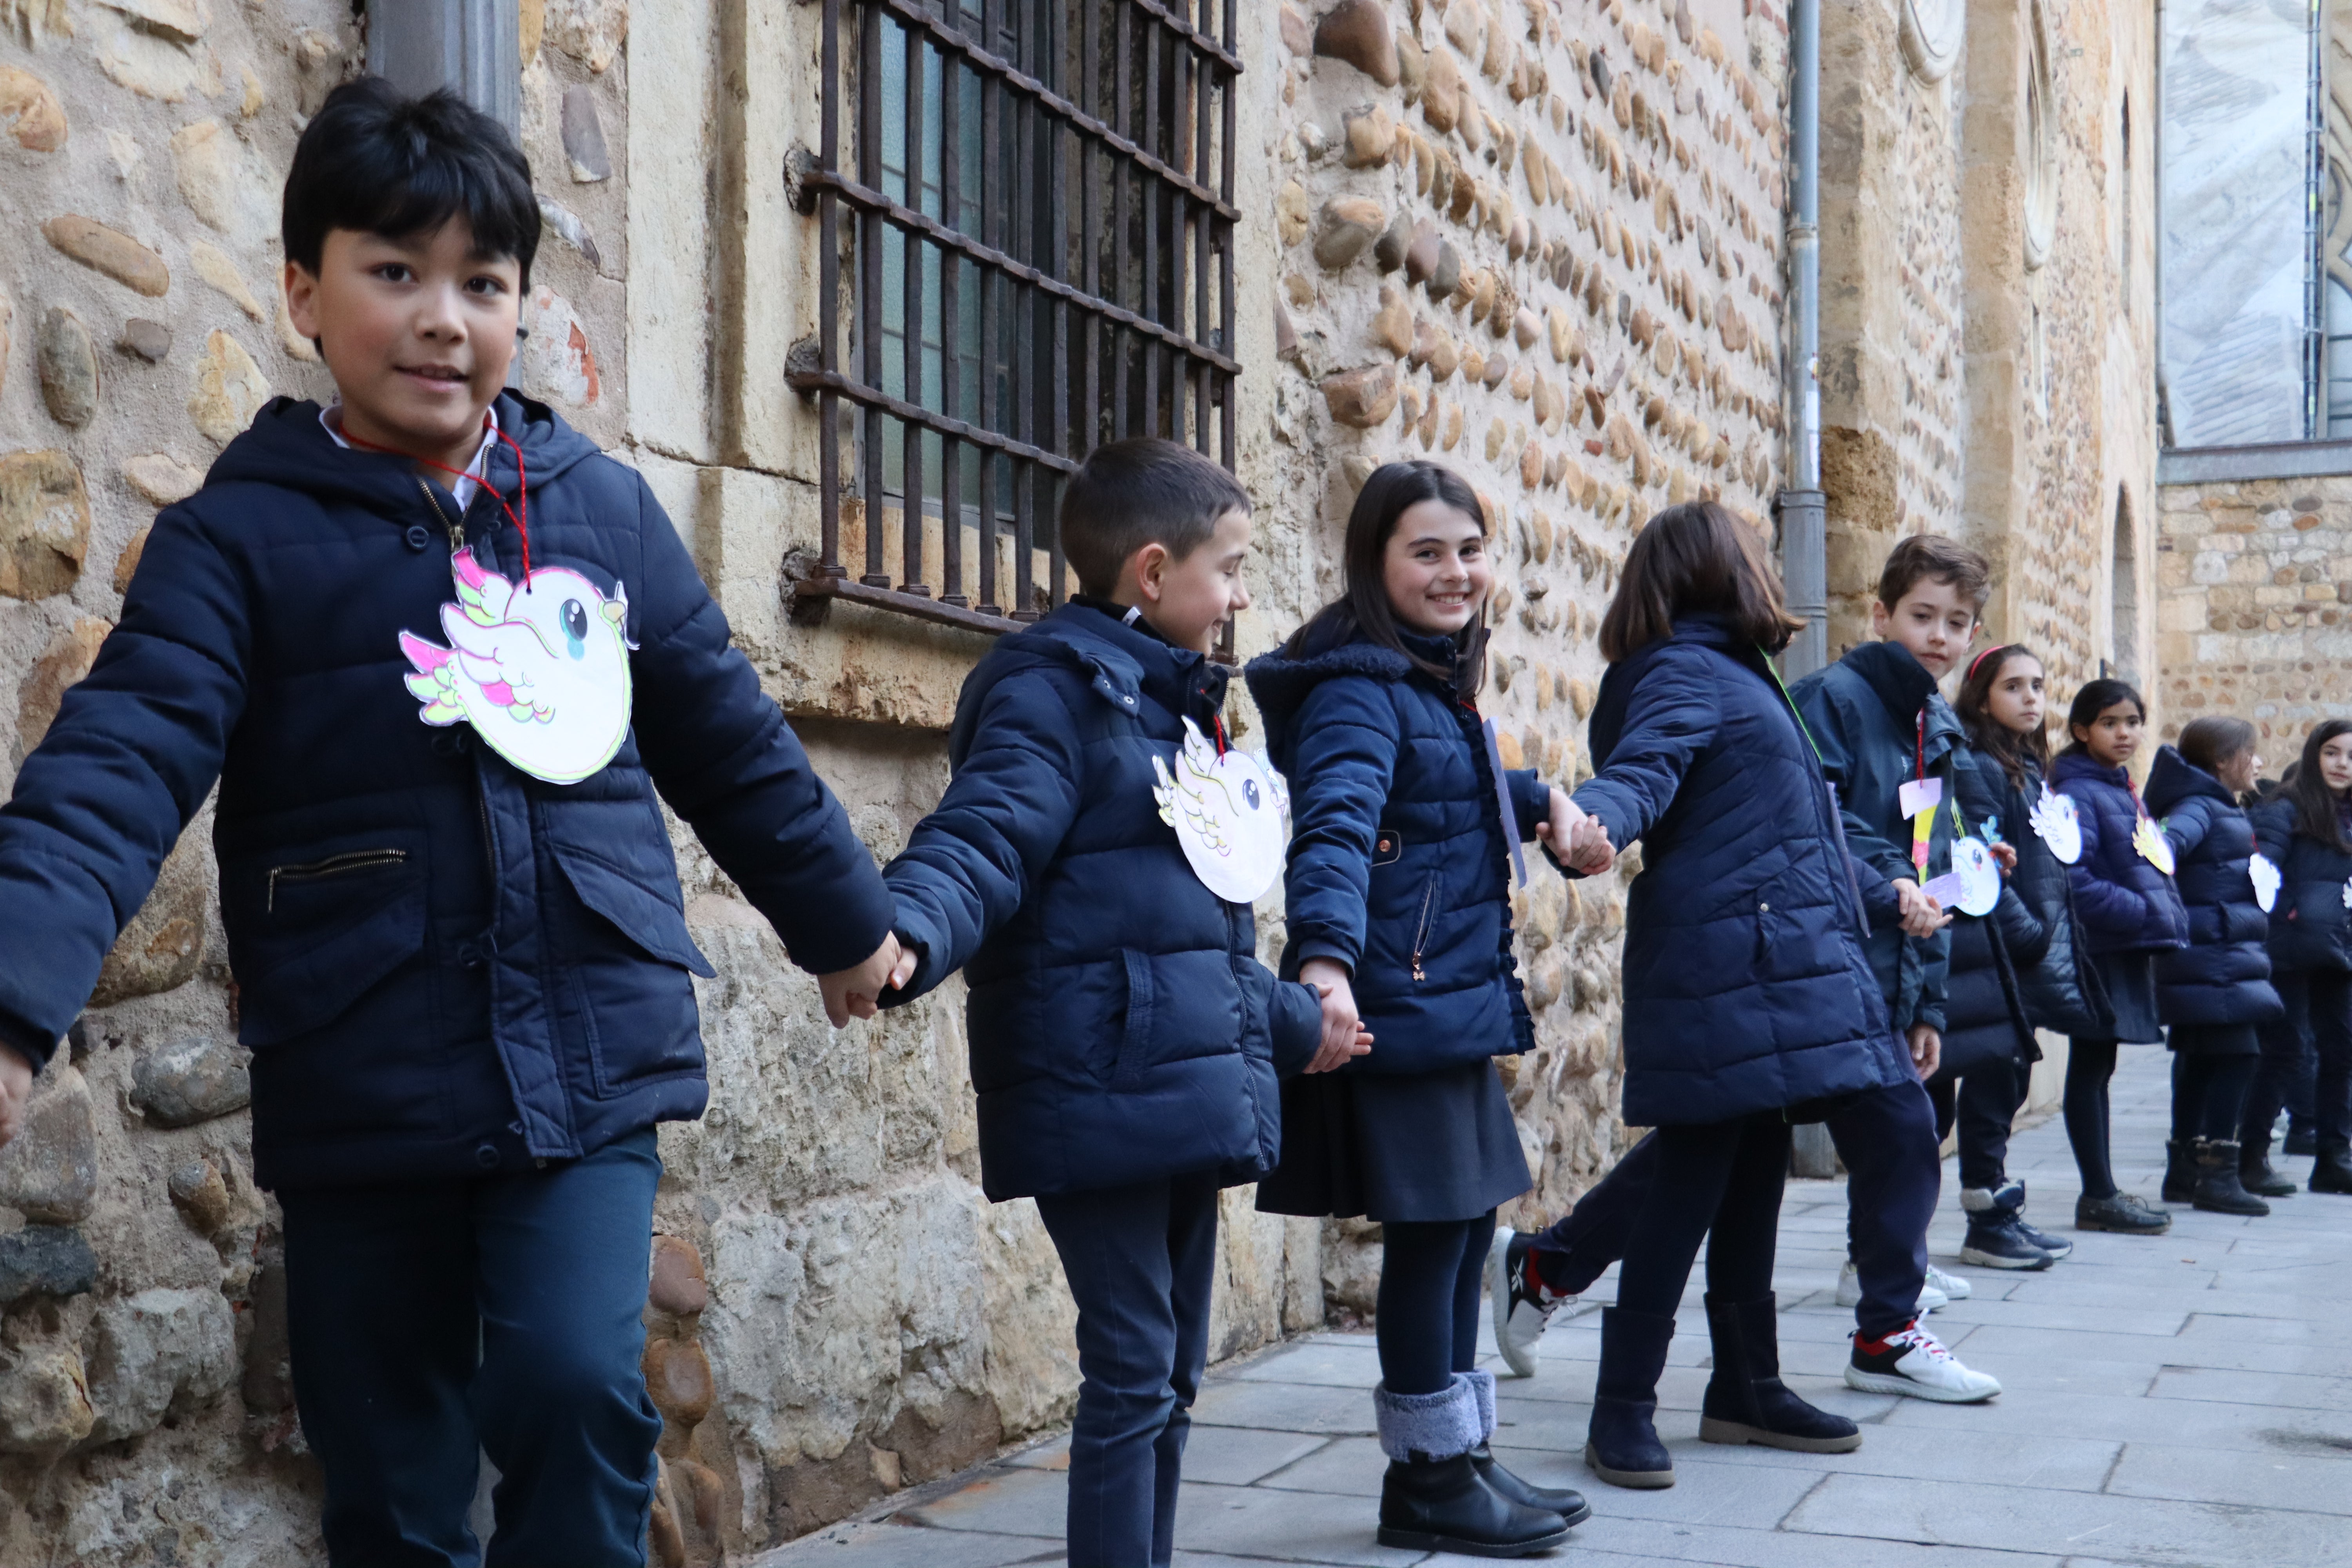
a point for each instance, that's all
(1431, 1272)
(2089, 1065)
(1721, 1181)
(2208, 1094)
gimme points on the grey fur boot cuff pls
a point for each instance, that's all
(1482, 1383)
(1438, 1426)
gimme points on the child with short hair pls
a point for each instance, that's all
(450, 901)
(1124, 1038)
(2306, 829)
(2131, 911)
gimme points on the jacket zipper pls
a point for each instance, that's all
(1421, 936)
(333, 865)
(457, 532)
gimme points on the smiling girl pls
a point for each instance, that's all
(2306, 829)
(1399, 899)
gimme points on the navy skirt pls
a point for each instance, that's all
(2215, 1040)
(1415, 1146)
(2129, 980)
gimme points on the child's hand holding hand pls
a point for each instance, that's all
(1922, 915)
(1926, 1050)
(1344, 1035)
(1581, 841)
(16, 1088)
(2005, 857)
(856, 993)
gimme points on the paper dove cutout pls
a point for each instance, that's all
(2154, 848)
(541, 671)
(2054, 821)
(2266, 879)
(1230, 812)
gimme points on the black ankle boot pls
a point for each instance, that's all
(1745, 1400)
(2218, 1189)
(1565, 1501)
(1443, 1505)
(1622, 1446)
(2179, 1171)
(2332, 1172)
(2256, 1174)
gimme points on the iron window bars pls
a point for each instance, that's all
(1034, 264)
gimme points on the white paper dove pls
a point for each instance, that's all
(2055, 823)
(1230, 812)
(541, 671)
(2266, 880)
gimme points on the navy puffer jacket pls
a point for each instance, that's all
(1746, 987)
(2057, 994)
(1398, 867)
(2126, 905)
(1122, 1026)
(1984, 1013)
(1879, 722)
(2310, 927)
(2223, 975)
(444, 967)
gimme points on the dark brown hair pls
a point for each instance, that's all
(1988, 734)
(1362, 608)
(2095, 699)
(2315, 806)
(1140, 491)
(2210, 741)
(1932, 558)
(1695, 559)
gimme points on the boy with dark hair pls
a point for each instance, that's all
(449, 898)
(1124, 1037)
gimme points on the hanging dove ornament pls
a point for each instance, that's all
(2057, 825)
(1979, 877)
(2266, 880)
(2154, 848)
(1230, 812)
(539, 670)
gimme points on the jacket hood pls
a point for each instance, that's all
(1280, 683)
(287, 447)
(2173, 778)
(1617, 684)
(2082, 766)
(1121, 663)
(1904, 685)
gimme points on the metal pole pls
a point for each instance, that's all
(1802, 507)
(474, 48)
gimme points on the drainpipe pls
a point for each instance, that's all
(1802, 507)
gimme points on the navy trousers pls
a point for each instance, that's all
(430, 1320)
(1432, 1273)
(2282, 1083)
(1140, 1259)
(2319, 1005)
(1984, 1104)
(1886, 1136)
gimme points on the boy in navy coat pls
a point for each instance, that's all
(1124, 1037)
(441, 655)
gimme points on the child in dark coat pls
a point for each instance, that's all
(2214, 994)
(2001, 706)
(2306, 831)
(2123, 889)
(448, 895)
(1398, 899)
(1125, 1040)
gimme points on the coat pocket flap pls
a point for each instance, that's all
(642, 915)
(315, 930)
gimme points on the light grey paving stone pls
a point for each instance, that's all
(999, 1501)
(2219, 1351)
(1346, 1466)
(2153, 1321)
(1286, 1526)
(2194, 1423)
(1955, 1449)
(1283, 1406)
(1705, 1491)
(2274, 1388)
(2303, 1483)
(896, 1544)
(1333, 1364)
(1732, 1547)
(2081, 1377)
(2059, 1288)
(2024, 1519)
(2203, 1326)
(1237, 1456)
(1052, 1456)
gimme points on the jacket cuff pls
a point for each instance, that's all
(26, 1043)
(1531, 798)
(1325, 947)
(1880, 903)
(1931, 1016)
(919, 936)
(1295, 1026)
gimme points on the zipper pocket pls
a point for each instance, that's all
(332, 865)
(1421, 936)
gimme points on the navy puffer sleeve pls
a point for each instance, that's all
(2104, 904)
(1670, 717)
(1340, 778)
(722, 754)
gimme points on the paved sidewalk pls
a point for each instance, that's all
(2184, 1400)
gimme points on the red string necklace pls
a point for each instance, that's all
(522, 482)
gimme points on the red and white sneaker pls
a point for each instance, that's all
(1521, 1302)
(1914, 1362)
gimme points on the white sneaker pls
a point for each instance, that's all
(1522, 1306)
(1914, 1363)
(1932, 1293)
(1951, 1286)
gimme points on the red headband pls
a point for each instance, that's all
(1980, 658)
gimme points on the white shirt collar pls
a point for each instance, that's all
(462, 490)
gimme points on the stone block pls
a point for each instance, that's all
(1370, 134)
(163, 944)
(67, 659)
(44, 1398)
(162, 479)
(30, 112)
(46, 1260)
(49, 1171)
(1357, 31)
(678, 1381)
(158, 1353)
(1361, 397)
(1441, 90)
(199, 1193)
(677, 1285)
(43, 523)
(1292, 212)
(110, 252)
(151, 341)
(191, 1081)
(230, 389)
(1347, 225)
(67, 366)
(584, 136)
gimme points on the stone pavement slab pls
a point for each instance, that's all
(2174, 1402)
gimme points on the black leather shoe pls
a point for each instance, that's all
(1745, 1400)
(2332, 1172)
(1443, 1505)
(1562, 1500)
(2217, 1188)
(2179, 1171)
(2258, 1177)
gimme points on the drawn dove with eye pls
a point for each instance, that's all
(540, 670)
(2054, 819)
(1230, 812)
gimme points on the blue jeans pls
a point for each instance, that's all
(429, 1319)
(1140, 1259)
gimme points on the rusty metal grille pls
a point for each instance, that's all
(1024, 254)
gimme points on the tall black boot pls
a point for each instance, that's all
(2217, 1188)
(2255, 1172)
(1565, 1501)
(1745, 1400)
(1432, 1498)
(2179, 1171)
(1621, 1446)
(2332, 1172)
